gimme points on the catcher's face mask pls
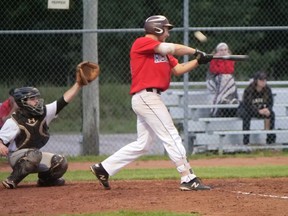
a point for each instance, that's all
(34, 105)
(28, 99)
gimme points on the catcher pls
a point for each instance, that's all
(26, 132)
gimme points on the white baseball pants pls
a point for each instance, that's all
(153, 119)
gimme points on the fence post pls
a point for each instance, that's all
(186, 76)
(90, 93)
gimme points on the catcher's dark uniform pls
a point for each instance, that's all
(24, 135)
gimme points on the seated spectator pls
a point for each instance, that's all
(258, 103)
(221, 82)
(7, 108)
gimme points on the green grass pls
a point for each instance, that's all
(271, 171)
(254, 154)
(223, 172)
(204, 172)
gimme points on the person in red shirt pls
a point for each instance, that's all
(220, 80)
(7, 108)
(152, 63)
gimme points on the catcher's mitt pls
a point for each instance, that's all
(86, 72)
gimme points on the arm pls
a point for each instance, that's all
(174, 49)
(180, 50)
(180, 69)
(247, 101)
(70, 94)
(3, 149)
(269, 104)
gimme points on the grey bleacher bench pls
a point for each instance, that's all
(222, 134)
(238, 83)
(208, 120)
(194, 108)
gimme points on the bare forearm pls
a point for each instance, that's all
(174, 49)
(70, 94)
(180, 69)
(181, 50)
(3, 149)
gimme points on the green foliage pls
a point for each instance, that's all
(118, 118)
(51, 58)
(115, 109)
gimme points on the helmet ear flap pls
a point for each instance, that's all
(158, 31)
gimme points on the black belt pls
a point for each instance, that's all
(151, 90)
(158, 91)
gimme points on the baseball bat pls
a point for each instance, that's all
(232, 57)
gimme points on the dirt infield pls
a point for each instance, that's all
(267, 196)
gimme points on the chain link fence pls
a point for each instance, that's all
(41, 47)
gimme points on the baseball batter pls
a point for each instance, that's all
(152, 64)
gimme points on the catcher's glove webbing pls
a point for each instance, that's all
(86, 72)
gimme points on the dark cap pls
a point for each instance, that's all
(260, 76)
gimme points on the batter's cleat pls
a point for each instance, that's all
(55, 182)
(194, 184)
(9, 184)
(101, 174)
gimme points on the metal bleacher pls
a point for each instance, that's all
(224, 134)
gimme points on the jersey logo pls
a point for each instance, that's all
(31, 122)
(159, 58)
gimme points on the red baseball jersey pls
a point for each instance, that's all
(149, 69)
(221, 66)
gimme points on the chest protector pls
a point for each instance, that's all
(33, 131)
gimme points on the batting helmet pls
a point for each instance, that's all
(155, 25)
(22, 94)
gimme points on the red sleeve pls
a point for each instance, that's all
(145, 45)
(173, 61)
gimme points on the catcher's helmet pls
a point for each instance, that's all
(22, 94)
(155, 25)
